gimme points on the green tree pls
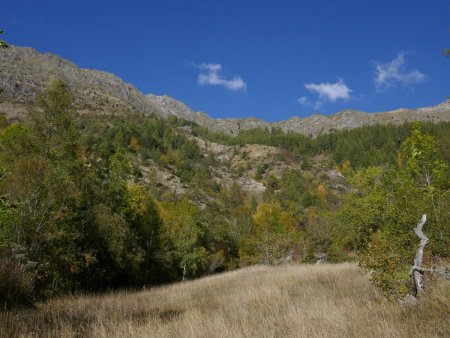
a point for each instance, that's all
(385, 203)
(122, 257)
(53, 122)
(146, 223)
(15, 143)
(183, 238)
(272, 236)
(41, 161)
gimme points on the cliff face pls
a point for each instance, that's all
(25, 72)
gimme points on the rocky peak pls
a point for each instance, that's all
(24, 72)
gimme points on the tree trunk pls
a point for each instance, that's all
(417, 270)
(184, 271)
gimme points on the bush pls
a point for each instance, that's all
(16, 286)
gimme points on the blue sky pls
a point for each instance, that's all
(270, 59)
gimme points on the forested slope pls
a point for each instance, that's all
(95, 202)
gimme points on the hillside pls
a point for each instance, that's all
(25, 71)
(285, 301)
(103, 188)
(224, 169)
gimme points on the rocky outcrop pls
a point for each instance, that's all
(170, 106)
(24, 72)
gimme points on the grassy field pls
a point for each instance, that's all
(286, 301)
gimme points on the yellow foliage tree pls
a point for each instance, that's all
(272, 236)
(183, 238)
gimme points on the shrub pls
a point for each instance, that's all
(16, 286)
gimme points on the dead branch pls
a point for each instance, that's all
(443, 272)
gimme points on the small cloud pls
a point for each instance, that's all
(327, 92)
(330, 91)
(211, 75)
(303, 100)
(393, 73)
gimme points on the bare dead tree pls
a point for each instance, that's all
(417, 270)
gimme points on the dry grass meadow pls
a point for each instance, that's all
(285, 301)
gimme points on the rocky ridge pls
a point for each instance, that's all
(312, 125)
(25, 72)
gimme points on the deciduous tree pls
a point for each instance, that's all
(382, 209)
(272, 236)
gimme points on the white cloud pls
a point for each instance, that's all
(327, 92)
(393, 73)
(211, 75)
(330, 91)
(303, 100)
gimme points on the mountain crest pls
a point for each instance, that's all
(25, 72)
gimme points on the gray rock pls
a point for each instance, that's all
(409, 300)
(24, 72)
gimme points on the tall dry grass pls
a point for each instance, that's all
(288, 301)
